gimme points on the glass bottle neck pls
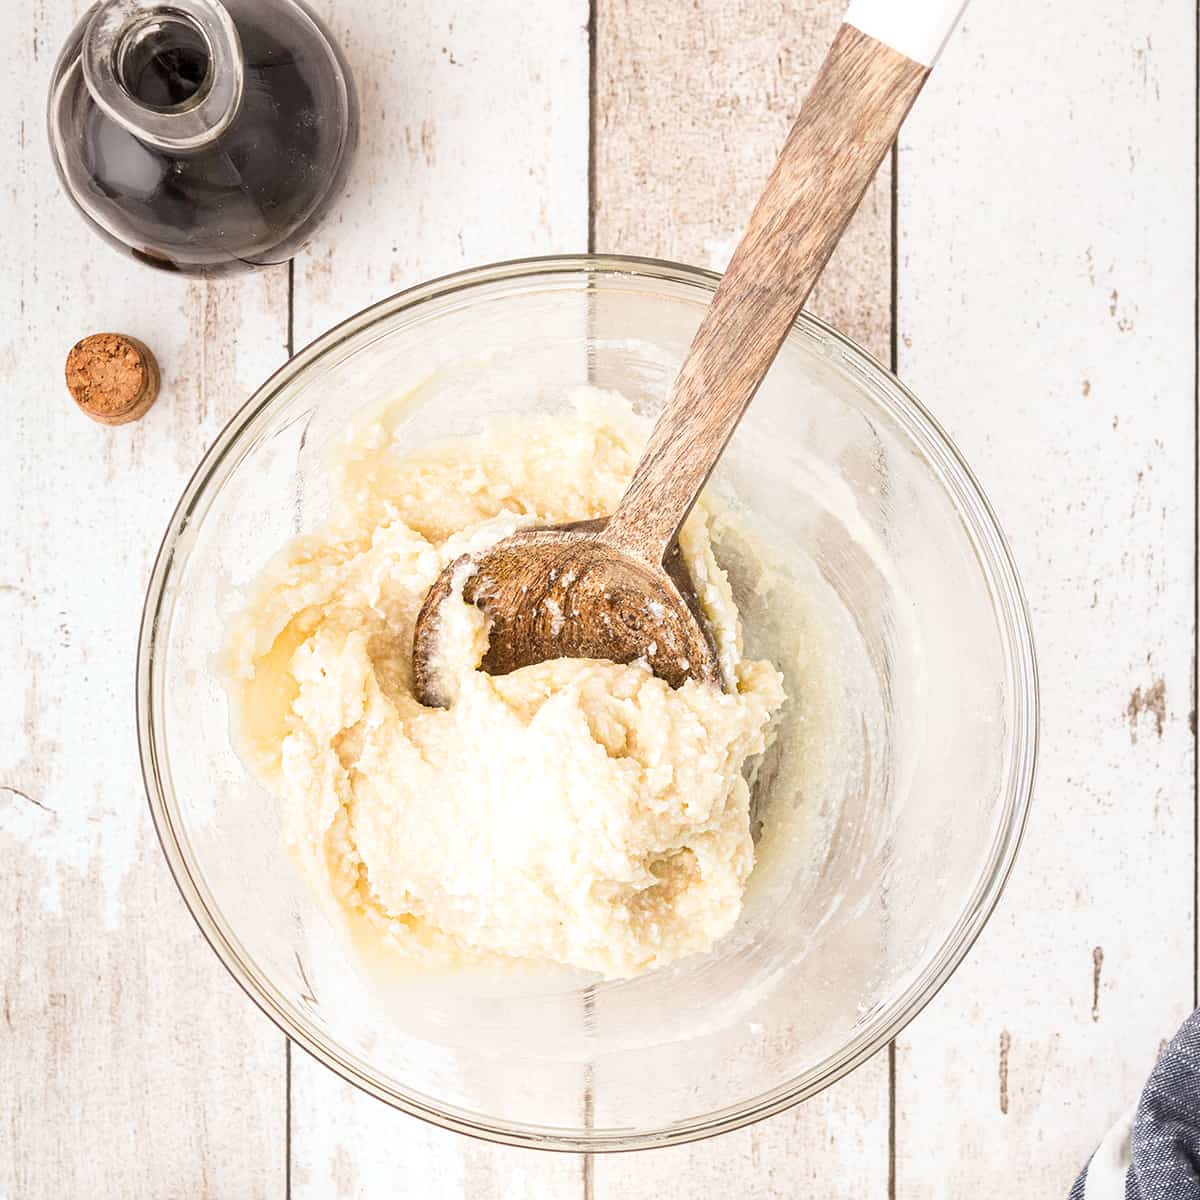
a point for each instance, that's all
(170, 73)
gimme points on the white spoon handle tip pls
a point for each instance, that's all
(918, 29)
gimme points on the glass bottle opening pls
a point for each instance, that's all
(171, 74)
(164, 60)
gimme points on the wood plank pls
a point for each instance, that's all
(692, 106)
(130, 1063)
(474, 149)
(1047, 196)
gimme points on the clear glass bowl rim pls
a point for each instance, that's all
(996, 563)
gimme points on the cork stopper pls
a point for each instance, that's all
(112, 377)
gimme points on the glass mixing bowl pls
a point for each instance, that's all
(867, 563)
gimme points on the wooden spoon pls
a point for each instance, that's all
(618, 589)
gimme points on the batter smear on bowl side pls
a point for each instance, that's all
(575, 811)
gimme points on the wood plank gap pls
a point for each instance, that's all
(593, 18)
(589, 1077)
(891, 1154)
(894, 262)
(893, 365)
(287, 1054)
(589, 995)
(1196, 529)
(287, 1041)
(291, 308)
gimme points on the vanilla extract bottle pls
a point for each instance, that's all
(202, 135)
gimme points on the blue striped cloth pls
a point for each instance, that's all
(1153, 1152)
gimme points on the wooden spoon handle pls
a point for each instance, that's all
(846, 125)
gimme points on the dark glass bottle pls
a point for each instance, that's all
(202, 135)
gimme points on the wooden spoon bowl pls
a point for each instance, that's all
(565, 592)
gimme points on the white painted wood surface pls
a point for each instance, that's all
(1047, 257)
(1044, 309)
(130, 1063)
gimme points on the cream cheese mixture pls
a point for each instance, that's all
(575, 811)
